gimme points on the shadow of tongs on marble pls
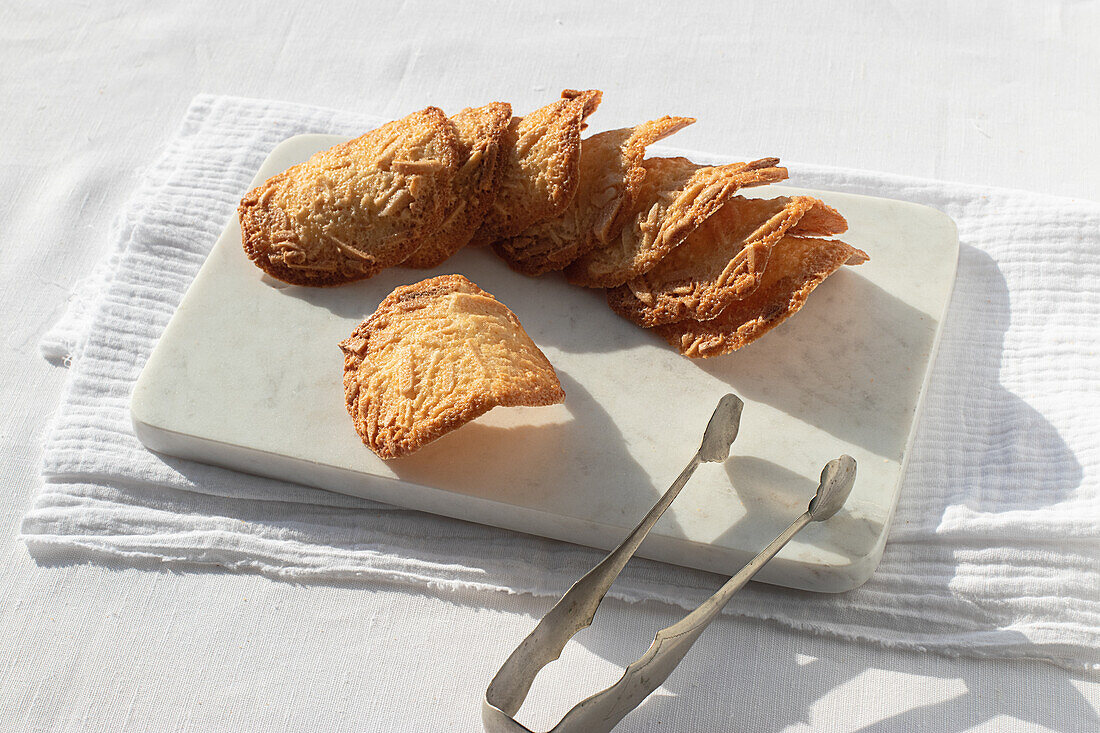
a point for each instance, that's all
(603, 711)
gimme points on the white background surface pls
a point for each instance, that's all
(995, 94)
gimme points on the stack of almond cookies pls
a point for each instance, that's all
(676, 246)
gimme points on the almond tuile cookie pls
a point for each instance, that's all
(797, 266)
(611, 174)
(722, 261)
(356, 208)
(675, 197)
(541, 165)
(479, 132)
(434, 356)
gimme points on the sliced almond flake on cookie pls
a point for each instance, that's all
(434, 356)
(611, 175)
(356, 208)
(480, 132)
(797, 266)
(722, 261)
(675, 197)
(541, 165)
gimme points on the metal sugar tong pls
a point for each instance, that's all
(603, 711)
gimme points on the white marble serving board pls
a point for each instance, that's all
(248, 375)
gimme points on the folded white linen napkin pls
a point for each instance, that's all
(995, 551)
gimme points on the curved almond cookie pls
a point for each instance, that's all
(722, 261)
(675, 198)
(541, 165)
(611, 174)
(434, 356)
(479, 132)
(797, 266)
(356, 208)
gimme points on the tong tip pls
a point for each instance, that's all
(837, 479)
(722, 429)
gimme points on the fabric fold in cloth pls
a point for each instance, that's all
(995, 550)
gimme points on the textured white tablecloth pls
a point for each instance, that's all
(994, 550)
(995, 95)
